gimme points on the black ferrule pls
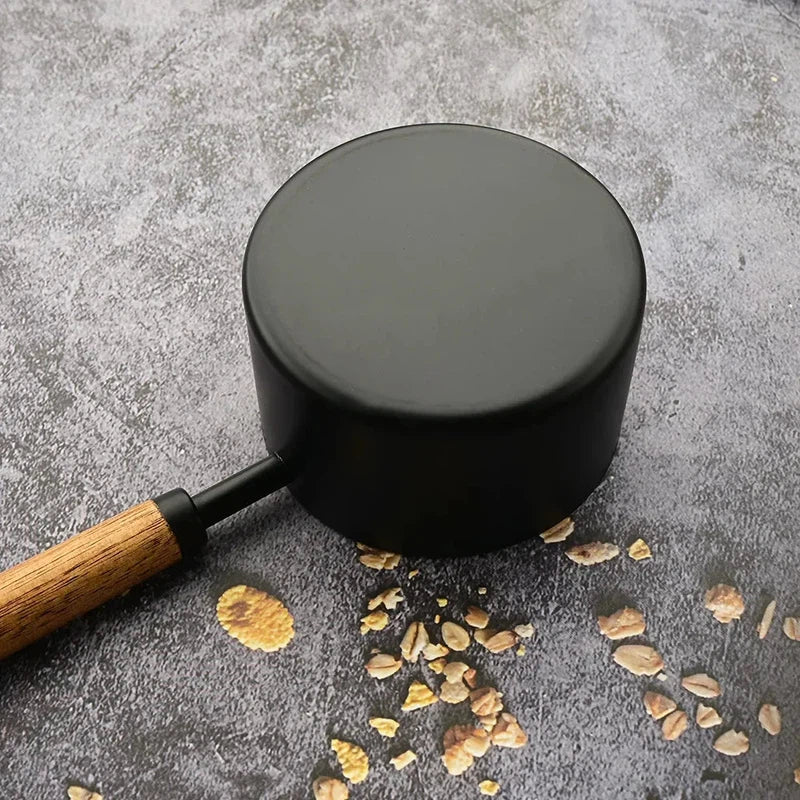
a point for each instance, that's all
(179, 511)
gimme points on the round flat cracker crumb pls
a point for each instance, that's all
(256, 619)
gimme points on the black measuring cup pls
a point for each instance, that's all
(443, 323)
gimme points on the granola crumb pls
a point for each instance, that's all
(725, 602)
(419, 696)
(592, 553)
(414, 641)
(413, 574)
(453, 692)
(441, 602)
(377, 559)
(79, 793)
(433, 651)
(559, 532)
(403, 760)
(438, 665)
(385, 726)
(488, 787)
(437, 619)
(481, 590)
(389, 598)
(254, 618)
(524, 631)
(521, 650)
(639, 550)
(352, 759)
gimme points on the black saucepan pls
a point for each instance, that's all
(443, 322)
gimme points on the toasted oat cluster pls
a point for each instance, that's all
(327, 788)
(79, 793)
(724, 602)
(256, 619)
(352, 759)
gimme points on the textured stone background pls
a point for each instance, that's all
(138, 142)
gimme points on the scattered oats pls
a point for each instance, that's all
(486, 701)
(413, 574)
(622, 624)
(455, 637)
(766, 620)
(658, 705)
(438, 665)
(454, 672)
(481, 590)
(476, 617)
(503, 640)
(725, 602)
(256, 619)
(638, 659)
(639, 550)
(433, 651)
(382, 665)
(508, 733)
(374, 621)
(419, 696)
(770, 718)
(558, 532)
(482, 635)
(441, 601)
(521, 650)
(732, 743)
(385, 726)
(352, 759)
(437, 619)
(327, 788)
(414, 641)
(453, 692)
(389, 597)
(377, 559)
(403, 760)
(79, 793)
(674, 725)
(701, 685)
(524, 631)
(592, 553)
(471, 678)
(488, 787)
(707, 717)
(791, 627)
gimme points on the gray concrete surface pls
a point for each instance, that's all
(138, 142)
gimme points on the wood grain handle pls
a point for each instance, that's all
(58, 585)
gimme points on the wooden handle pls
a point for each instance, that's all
(54, 587)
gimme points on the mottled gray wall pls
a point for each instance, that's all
(138, 142)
